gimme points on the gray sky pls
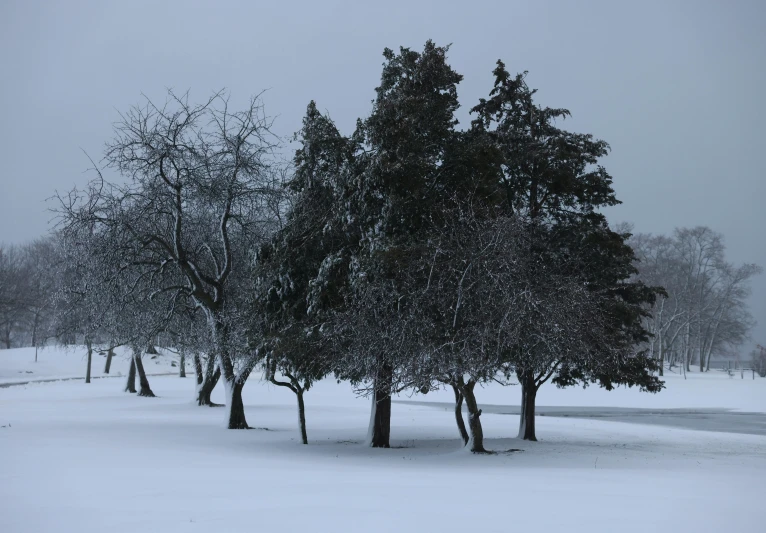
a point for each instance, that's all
(676, 88)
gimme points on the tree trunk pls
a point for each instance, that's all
(379, 433)
(182, 365)
(476, 441)
(295, 386)
(198, 369)
(206, 382)
(207, 389)
(7, 336)
(687, 350)
(130, 386)
(302, 414)
(145, 390)
(235, 417)
(35, 340)
(90, 361)
(109, 356)
(34, 334)
(459, 414)
(528, 396)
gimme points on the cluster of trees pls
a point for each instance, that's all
(703, 311)
(50, 290)
(27, 287)
(408, 255)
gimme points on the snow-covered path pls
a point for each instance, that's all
(89, 458)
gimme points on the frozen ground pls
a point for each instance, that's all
(89, 458)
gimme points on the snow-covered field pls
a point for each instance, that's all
(90, 458)
(18, 365)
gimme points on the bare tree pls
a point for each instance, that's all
(11, 290)
(191, 336)
(704, 310)
(40, 269)
(200, 195)
(81, 309)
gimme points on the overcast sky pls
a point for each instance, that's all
(676, 88)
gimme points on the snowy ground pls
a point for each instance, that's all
(714, 389)
(89, 458)
(53, 362)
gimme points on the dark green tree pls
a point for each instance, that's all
(401, 175)
(554, 179)
(301, 273)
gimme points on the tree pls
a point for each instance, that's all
(11, 289)
(39, 266)
(134, 323)
(547, 172)
(659, 265)
(728, 321)
(294, 292)
(398, 170)
(704, 309)
(296, 362)
(130, 384)
(552, 178)
(357, 199)
(393, 183)
(191, 335)
(400, 180)
(27, 286)
(458, 319)
(109, 357)
(80, 307)
(199, 196)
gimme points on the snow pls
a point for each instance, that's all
(90, 458)
(54, 362)
(371, 425)
(714, 389)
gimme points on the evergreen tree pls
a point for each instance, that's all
(400, 177)
(409, 239)
(553, 178)
(301, 273)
